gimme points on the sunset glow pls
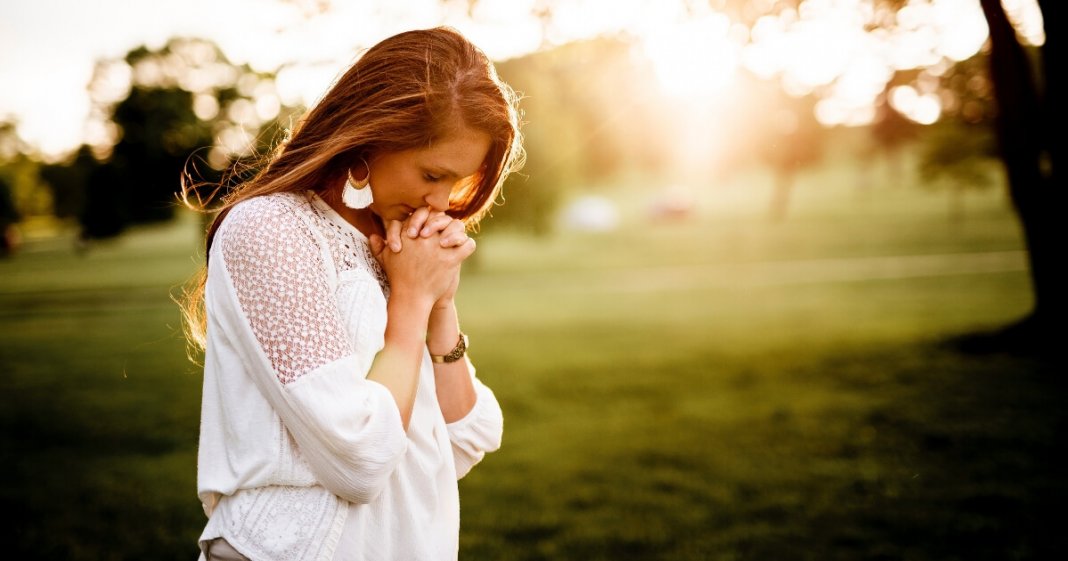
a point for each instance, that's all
(695, 57)
(836, 49)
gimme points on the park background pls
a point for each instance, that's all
(774, 283)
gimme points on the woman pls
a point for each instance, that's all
(339, 407)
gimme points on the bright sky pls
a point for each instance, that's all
(47, 47)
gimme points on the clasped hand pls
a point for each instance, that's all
(422, 255)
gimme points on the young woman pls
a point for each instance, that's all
(339, 406)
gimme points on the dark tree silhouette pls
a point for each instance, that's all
(1029, 125)
(68, 181)
(159, 132)
(9, 215)
(159, 135)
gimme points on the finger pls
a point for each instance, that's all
(454, 241)
(393, 235)
(377, 245)
(454, 235)
(466, 248)
(416, 221)
(437, 223)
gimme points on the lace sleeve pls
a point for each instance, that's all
(280, 276)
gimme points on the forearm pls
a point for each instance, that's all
(396, 366)
(456, 392)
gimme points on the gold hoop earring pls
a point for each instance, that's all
(357, 194)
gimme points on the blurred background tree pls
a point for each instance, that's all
(798, 396)
(9, 216)
(577, 141)
(1029, 121)
(794, 141)
(158, 114)
(628, 102)
(1022, 89)
(19, 170)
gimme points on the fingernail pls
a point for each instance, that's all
(411, 232)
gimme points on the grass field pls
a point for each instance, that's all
(721, 388)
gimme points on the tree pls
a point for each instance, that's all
(67, 182)
(792, 141)
(573, 138)
(9, 215)
(890, 133)
(19, 171)
(1030, 117)
(964, 154)
(158, 114)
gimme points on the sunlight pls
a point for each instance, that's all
(822, 44)
(928, 31)
(583, 19)
(844, 51)
(696, 58)
(924, 108)
(1027, 18)
(851, 99)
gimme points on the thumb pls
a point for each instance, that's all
(377, 245)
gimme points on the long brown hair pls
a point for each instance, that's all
(405, 92)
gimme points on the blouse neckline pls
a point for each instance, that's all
(334, 217)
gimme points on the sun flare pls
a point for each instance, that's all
(696, 58)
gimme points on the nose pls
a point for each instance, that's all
(438, 199)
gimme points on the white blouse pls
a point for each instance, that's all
(301, 457)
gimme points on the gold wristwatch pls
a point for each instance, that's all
(455, 354)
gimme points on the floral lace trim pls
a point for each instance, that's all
(349, 249)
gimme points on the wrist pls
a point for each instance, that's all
(452, 355)
(443, 304)
(411, 302)
(443, 328)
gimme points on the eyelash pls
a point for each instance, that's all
(431, 178)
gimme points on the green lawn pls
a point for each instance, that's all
(720, 388)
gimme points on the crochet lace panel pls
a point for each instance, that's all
(348, 250)
(281, 279)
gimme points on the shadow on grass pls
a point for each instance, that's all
(1030, 336)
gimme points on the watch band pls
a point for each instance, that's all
(455, 354)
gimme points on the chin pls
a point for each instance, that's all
(403, 212)
(393, 212)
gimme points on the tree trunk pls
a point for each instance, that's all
(1022, 133)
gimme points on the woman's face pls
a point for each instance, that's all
(406, 180)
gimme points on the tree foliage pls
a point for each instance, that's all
(157, 115)
(588, 115)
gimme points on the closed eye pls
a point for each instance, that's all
(431, 177)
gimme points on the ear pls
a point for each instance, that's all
(361, 168)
